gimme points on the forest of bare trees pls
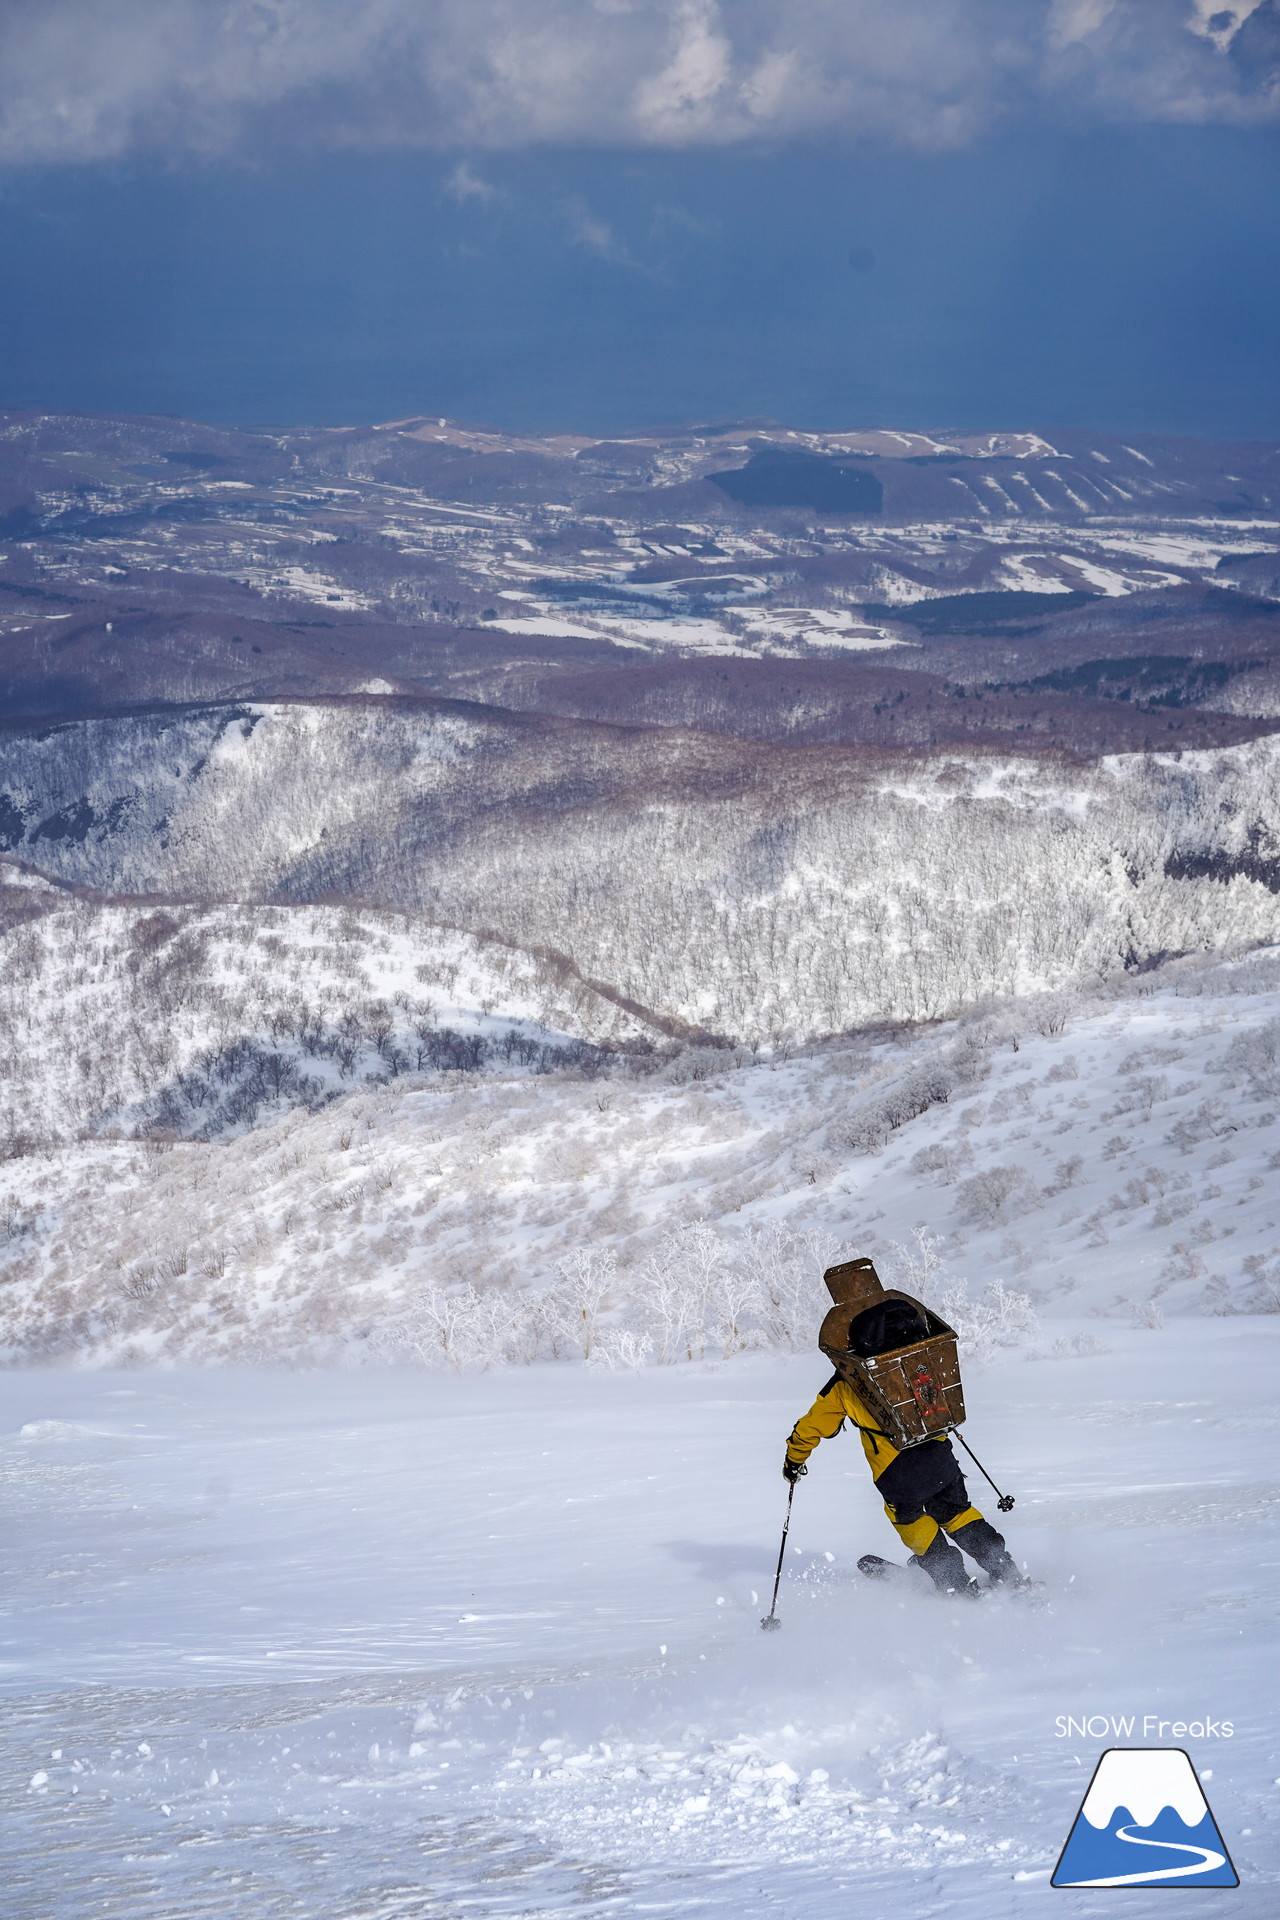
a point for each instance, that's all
(718, 886)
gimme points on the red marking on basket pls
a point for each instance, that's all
(923, 1387)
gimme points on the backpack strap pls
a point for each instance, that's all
(834, 1381)
(873, 1431)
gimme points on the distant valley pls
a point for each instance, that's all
(1086, 593)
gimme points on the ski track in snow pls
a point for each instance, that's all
(364, 1645)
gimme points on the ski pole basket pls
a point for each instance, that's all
(911, 1388)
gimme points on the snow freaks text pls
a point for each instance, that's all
(1101, 1726)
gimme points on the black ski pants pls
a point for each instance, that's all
(948, 1517)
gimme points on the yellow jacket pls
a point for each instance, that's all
(834, 1405)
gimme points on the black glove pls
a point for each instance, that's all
(792, 1470)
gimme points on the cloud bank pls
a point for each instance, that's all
(89, 79)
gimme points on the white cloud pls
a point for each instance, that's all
(1071, 21)
(687, 93)
(597, 236)
(85, 79)
(464, 184)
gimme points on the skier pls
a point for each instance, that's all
(923, 1491)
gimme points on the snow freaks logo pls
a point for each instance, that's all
(1145, 1823)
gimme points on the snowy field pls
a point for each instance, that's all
(367, 1645)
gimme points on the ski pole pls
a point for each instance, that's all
(1004, 1501)
(771, 1622)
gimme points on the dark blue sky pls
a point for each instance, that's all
(1124, 278)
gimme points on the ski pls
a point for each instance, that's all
(910, 1579)
(874, 1567)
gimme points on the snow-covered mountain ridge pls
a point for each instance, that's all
(1113, 1155)
(125, 1020)
(752, 891)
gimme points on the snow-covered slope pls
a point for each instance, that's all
(195, 1020)
(1115, 1155)
(761, 893)
(379, 1645)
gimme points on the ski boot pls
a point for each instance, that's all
(945, 1567)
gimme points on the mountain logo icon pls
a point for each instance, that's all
(1145, 1823)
